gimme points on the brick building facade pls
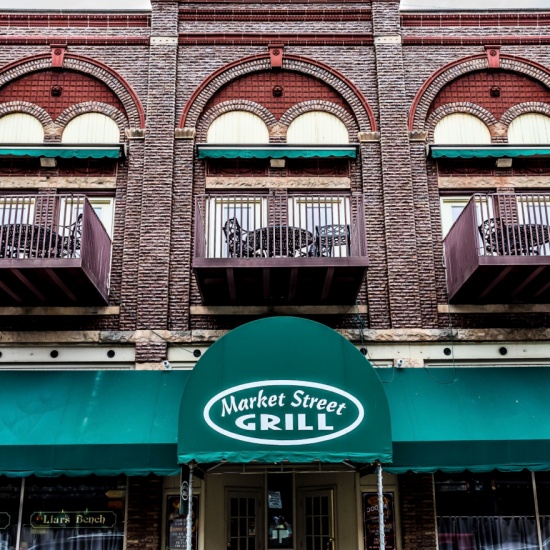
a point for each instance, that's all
(348, 234)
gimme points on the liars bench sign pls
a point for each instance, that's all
(284, 412)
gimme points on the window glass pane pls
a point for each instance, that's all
(481, 511)
(74, 513)
(280, 510)
(9, 511)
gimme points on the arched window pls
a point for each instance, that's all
(529, 128)
(21, 128)
(238, 127)
(461, 129)
(91, 128)
(317, 127)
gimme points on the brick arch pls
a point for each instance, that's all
(524, 108)
(325, 106)
(458, 107)
(91, 107)
(233, 105)
(78, 63)
(431, 87)
(11, 107)
(349, 92)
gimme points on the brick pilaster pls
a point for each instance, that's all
(399, 203)
(418, 526)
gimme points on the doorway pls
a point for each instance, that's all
(316, 519)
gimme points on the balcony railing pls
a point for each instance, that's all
(53, 249)
(278, 232)
(499, 247)
(269, 226)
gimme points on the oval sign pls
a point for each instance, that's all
(283, 412)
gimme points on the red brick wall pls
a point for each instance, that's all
(77, 88)
(258, 87)
(475, 88)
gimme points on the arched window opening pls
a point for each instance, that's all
(238, 127)
(21, 128)
(529, 128)
(461, 129)
(319, 128)
(91, 128)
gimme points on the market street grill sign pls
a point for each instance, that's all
(284, 412)
(283, 389)
(87, 519)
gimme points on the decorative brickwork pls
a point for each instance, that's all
(20, 106)
(418, 526)
(232, 105)
(75, 88)
(92, 107)
(296, 88)
(431, 88)
(458, 107)
(524, 108)
(128, 99)
(326, 106)
(202, 96)
(476, 88)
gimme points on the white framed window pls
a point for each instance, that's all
(317, 128)
(231, 223)
(451, 208)
(104, 207)
(16, 210)
(91, 128)
(461, 129)
(530, 128)
(238, 127)
(21, 128)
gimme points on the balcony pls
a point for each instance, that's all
(498, 250)
(279, 249)
(54, 251)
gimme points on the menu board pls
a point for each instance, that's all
(176, 530)
(371, 521)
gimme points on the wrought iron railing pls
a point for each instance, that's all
(503, 224)
(279, 225)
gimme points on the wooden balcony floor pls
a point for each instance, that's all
(56, 282)
(506, 279)
(274, 281)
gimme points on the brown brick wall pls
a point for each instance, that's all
(418, 526)
(144, 513)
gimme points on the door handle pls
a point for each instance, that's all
(329, 544)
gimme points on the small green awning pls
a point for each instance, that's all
(83, 422)
(473, 418)
(63, 151)
(283, 389)
(276, 151)
(487, 151)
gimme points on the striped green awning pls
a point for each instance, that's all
(487, 151)
(276, 151)
(63, 151)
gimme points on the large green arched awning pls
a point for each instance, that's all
(281, 389)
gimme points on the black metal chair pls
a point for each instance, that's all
(327, 237)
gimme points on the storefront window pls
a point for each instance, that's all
(9, 512)
(280, 510)
(64, 513)
(486, 511)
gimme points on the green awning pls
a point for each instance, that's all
(478, 419)
(276, 151)
(488, 151)
(283, 389)
(63, 151)
(82, 422)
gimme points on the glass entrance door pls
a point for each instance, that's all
(316, 513)
(244, 523)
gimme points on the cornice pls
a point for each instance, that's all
(475, 40)
(257, 39)
(6, 40)
(50, 20)
(269, 15)
(475, 19)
